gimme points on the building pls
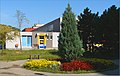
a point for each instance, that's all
(42, 36)
(26, 39)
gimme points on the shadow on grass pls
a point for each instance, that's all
(56, 52)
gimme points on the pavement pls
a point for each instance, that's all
(14, 68)
(115, 71)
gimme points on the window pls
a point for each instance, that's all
(50, 28)
(47, 37)
(41, 41)
(51, 37)
(41, 37)
(26, 40)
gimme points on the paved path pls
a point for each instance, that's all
(113, 72)
(13, 68)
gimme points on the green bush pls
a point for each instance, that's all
(102, 53)
(99, 64)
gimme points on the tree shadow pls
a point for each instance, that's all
(56, 52)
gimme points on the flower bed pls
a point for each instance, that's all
(84, 65)
(76, 65)
(41, 64)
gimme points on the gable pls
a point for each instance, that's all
(53, 26)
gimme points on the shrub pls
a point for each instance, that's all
(41, 64)
(102, 53)
(76, 65)
(99, 64)
(55, 59)
(62, 60)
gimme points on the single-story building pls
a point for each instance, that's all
(45, 36)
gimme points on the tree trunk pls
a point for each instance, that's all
(20, 42)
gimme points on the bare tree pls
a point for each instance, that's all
(21, 18)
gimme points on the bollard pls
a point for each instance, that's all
(38, 56)
(30, 56)
(34, 56)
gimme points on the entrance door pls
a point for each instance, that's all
(24, 40)
(42, 41)
(29, 41)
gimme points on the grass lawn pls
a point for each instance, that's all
(58, 71)
(11, 55)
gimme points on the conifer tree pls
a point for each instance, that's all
(69, 45)
(87, 22)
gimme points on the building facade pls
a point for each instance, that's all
(45, 36)
(26, 40)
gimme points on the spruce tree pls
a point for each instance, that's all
(87, 22)
(69, 45)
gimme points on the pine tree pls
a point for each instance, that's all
(87, 22)
(69, 45)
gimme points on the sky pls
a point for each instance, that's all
(44, 11)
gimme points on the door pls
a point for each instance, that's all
(29, 41)
(42, 41)
(24, 40)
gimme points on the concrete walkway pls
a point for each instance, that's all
(113, 72)
(13, 68)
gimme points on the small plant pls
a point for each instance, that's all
(55, 59)
(41, 64)
(76, 65)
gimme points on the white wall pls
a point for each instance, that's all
(55, 39)
(10, 44)
(26, 33)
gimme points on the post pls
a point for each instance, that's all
(34, 56)
(30, 57)
(38, 56)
